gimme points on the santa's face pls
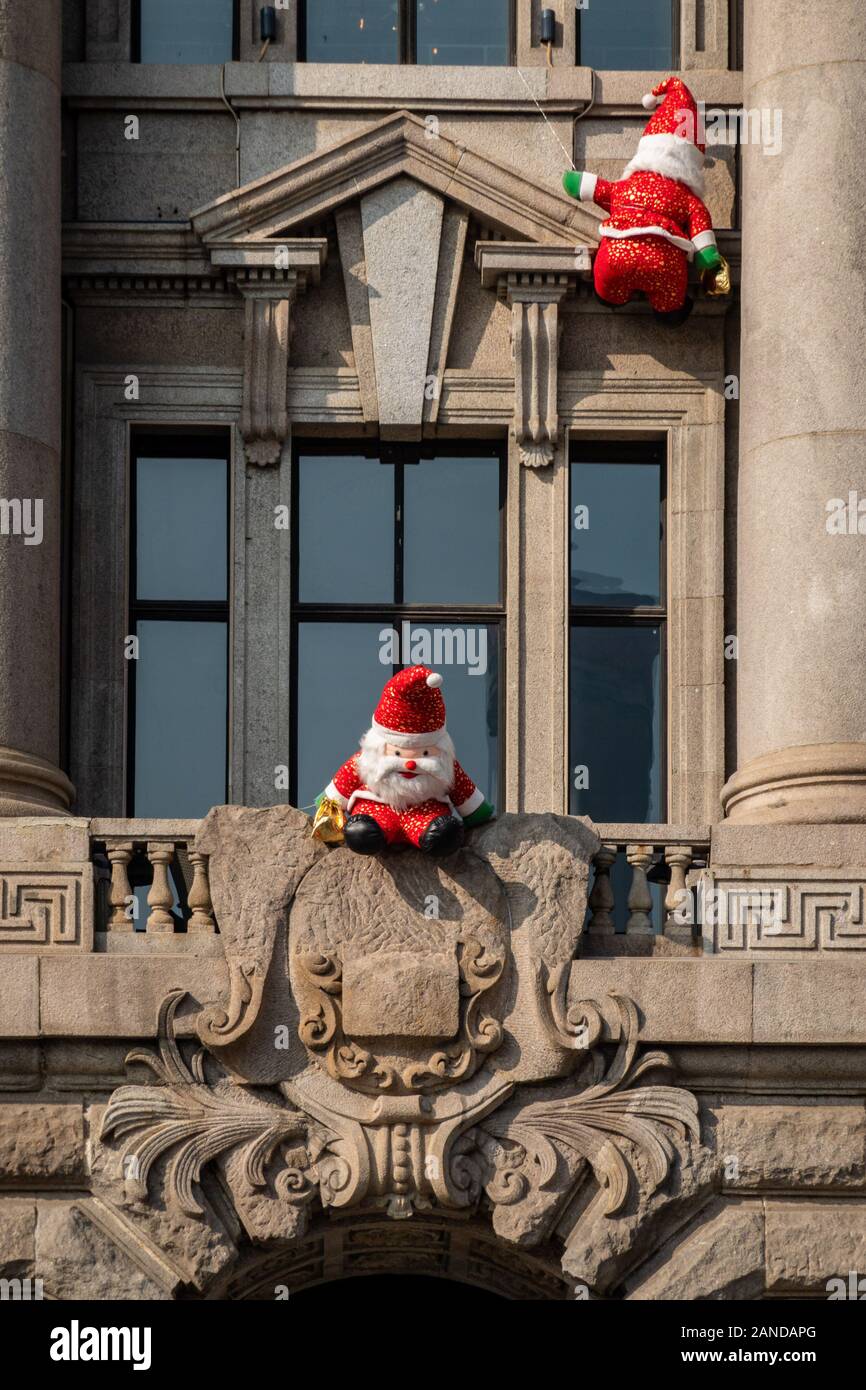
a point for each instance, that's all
(407, 776)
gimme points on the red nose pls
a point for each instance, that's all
(411, 766)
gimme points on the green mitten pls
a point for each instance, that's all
(571, 183)
(708, 259)
(483, 813)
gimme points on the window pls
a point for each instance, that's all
(178, 679)
(617, 640)
(407, 31)
(397, 559)
(194, 31)
(628, 35)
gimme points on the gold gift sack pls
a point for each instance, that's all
(328, 823)
(717, 282)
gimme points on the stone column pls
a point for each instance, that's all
(801, 690)
(30, 781)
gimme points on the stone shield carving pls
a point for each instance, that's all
(399, 1035)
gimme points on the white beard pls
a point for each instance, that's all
(382, 773)
(671, 156)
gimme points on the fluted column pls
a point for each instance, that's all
(801, 572)
(30, 383)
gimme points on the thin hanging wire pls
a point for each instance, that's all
(543, 115)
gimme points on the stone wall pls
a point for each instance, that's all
(747, 1071)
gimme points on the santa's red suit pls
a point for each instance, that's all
(658, 220)
(410, 824)
(405, 785)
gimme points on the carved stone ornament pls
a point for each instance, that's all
(400, 1036)
(270, 274)
(533, 280)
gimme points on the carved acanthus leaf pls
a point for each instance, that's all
(596, 1126)
(195, 1123)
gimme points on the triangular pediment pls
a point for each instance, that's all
(401, 146)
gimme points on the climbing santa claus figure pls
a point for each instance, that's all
(404, 785)
(658, 220)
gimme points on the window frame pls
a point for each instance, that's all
(407, 35)
(649, 452)
(155, 441)
(676, 43)
(489, 615)
(135, 35)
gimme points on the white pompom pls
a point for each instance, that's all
(434, 680)
(650, 102)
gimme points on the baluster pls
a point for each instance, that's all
(640, 901)
(160, 899)
(601, 899)
(120, 893)
(201, 907)
(679, 857)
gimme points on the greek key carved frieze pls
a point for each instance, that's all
(46, 905)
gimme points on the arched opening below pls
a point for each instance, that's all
(390, 1290)
(444, 1258)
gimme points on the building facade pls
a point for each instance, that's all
(304, 380)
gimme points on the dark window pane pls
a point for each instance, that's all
(452, 31)
(180, 718)
(615, 723)
(615, 534)
(629, 35)
(194, 31)
(340, 679)
(345, 530)
(471, 693)
(352, 31)
(451, 538)
(181, 528)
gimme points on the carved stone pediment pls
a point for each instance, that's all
(401, 145)
(401, 194)
(401, 1036)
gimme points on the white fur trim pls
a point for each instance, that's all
(471, 804)
(673, 157)
(432, 736)
(703, 240)
(333, 795)
(588, 184)
(620, 234)
(434, 680)
(650, 102)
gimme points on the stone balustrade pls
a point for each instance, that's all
(133, 854)
(129, 855)
(624, 916)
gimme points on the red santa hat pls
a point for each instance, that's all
(671, 144)
(411, 711)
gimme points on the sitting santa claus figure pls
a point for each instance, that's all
(658, 221)
(405, 786)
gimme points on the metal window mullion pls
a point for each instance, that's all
(408, 31)
(399, 531)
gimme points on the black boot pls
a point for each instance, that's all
(442, 836)
(364, 836)
(676, 316)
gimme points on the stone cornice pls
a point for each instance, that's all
(560, 91)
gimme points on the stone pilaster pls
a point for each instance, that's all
(31, 782)
(534, 280)
(801, 696)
